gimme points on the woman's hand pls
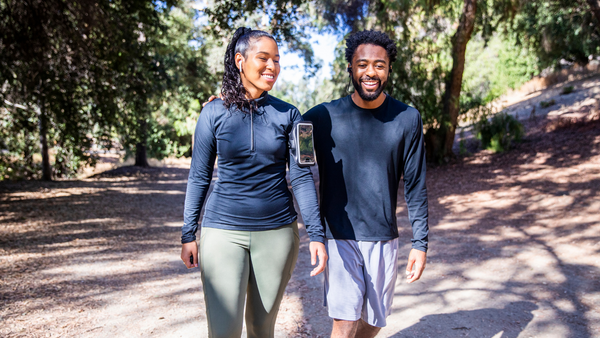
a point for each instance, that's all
(189, 252)
(317, 249)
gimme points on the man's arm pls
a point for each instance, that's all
(415, 193)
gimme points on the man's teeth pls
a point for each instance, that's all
(370, 83)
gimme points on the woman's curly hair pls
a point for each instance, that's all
(232, 90)
(370, 37)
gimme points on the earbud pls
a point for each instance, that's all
(240, 65)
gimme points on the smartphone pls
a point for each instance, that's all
(302, 144)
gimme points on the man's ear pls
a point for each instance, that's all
(349, 69)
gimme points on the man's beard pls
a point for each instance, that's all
(368, 96)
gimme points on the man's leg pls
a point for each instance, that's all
(365, 330)
(344, 328)
(381, 270)
(344, 286)
(355, 329)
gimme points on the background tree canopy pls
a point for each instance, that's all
(81, 75)
(77, 74)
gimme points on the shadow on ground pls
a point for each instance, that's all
(483, 323)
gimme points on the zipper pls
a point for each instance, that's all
(252, 130)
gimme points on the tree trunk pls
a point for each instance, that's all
(595, 7)
(43, 125)
(140, 155)
(454, 84)
(141, 159)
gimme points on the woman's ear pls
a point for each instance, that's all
(238, 61)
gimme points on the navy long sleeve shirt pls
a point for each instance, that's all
(362, 156)
(251, 191)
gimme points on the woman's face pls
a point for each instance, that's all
(260, 67)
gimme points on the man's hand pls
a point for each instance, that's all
(190, 250)
(317, 249)
(416, 264)
(212, 97)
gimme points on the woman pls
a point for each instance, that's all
(249, 239)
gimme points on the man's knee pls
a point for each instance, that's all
(365, 330)
(344, 328)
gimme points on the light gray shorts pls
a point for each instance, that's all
(360, 278)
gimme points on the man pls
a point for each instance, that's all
(365, 143)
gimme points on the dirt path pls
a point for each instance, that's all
(515, 252)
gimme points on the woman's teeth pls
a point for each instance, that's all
(268, 76)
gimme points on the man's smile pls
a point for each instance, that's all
(370, 84)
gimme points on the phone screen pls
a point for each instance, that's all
(305, 140)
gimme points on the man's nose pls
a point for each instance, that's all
(371, 71)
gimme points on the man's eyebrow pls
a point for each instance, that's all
(367, 60)
(277, 55)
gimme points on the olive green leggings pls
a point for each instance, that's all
(246, 265)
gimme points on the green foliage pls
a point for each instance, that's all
(61, 61)
(499, 132)
(18, 144)
(97, 71)
(494, 67)
(462, 146)
(546, 104)
(557, 29)
(172, 89)
(566, 90)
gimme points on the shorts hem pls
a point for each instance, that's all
(376, 325)
(345, 317)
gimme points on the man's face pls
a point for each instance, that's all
(370, 69)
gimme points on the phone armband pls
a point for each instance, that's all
(302, 144)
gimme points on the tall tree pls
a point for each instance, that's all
(454, 84)
(82, 70)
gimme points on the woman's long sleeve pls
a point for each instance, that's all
(200, 176)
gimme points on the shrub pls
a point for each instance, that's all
(566, 90)
(498, 133)
(546, 104)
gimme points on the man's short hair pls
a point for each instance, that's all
(370, 37)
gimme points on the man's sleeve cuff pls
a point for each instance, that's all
(320, 239)
(420, 246)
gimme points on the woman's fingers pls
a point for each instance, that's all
(189, 254)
